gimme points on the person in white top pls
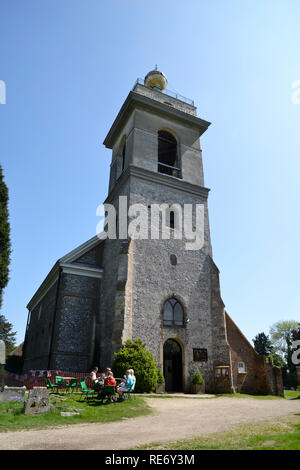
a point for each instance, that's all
(95, 380)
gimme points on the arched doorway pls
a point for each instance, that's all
(173, 366)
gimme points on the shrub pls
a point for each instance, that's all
(160, 377)
(197, 378)
(133, 355)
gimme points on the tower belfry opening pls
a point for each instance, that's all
(167, 154)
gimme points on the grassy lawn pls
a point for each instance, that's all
(275, 435)
(292, 394)
(91, 412)
(202, 397)
(281, 434)
(289, 394)
(245, 395)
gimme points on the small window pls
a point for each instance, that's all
(172, 313)
(172, 219)
(173, 259)
(241, 368)
(200, 355)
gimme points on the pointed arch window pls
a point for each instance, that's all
(173, 314)
(167, 154)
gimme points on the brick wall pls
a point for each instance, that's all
(259, 376)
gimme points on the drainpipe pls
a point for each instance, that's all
(54, 317)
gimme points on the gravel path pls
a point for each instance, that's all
(173, 419)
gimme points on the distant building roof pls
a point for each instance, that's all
(18, 351)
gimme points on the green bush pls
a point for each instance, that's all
(160, 377)
(133, 355)
(197, 378)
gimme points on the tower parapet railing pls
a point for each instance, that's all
(173, 94)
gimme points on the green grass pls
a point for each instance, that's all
(292, 394)
(289, 394)
(246, 395)
(276, 435)
(92, 413)
(202, 397)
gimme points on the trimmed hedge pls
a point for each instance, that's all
(133, 355)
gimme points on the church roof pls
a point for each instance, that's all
(67, 262)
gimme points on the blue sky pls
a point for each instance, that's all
(69, 65)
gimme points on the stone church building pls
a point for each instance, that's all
(109, 290)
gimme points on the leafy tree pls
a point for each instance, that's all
(296, 334)
(4, 236)
(160, 377)
(7, 335)
(277, 360)
(133, 355)
(282, 334)
(262, 344)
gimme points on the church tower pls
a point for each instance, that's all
(151, 276)
(155, 288)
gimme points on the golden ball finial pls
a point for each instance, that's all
(156, 80)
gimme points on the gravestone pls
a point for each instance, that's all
(12, 393)
(38, 401)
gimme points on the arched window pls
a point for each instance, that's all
(172, 313)
(167, 154)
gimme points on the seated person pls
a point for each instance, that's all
(131, 371)
(107, 370)
(95, 380)
(125, 386)
(110, 380)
